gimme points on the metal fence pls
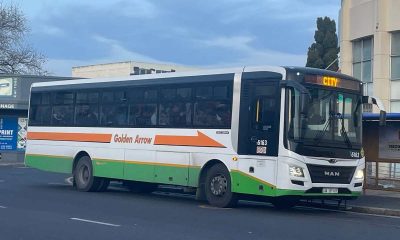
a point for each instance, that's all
(382, 175)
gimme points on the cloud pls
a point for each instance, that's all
(117, 52)
(49, 30)
(251, 55)
(114, 52)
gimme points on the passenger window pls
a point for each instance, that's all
(62, 115)
(87, 115)
(143, 115)
(114, 115)
(175, 114)
(212, 114)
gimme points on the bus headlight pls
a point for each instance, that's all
(359, 174)
(295, 171)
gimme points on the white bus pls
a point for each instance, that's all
(284, 133)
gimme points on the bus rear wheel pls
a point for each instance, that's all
(218, 187)
(83, 176)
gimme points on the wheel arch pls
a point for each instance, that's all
(77, 157)
(208, 165)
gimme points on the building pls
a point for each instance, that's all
(14, 102)
(369, 36)
(121, 69)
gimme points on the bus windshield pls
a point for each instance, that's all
(330, 119)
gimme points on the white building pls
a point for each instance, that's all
(370, 47)
(120, 69)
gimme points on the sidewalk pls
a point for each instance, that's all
(376, 202)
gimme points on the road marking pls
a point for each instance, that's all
(96, 222)
(3, 207)
(58, 184)
(1, 180)
(215, 208)
(69, 180)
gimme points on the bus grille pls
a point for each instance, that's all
(330, 174)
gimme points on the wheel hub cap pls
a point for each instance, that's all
(219, 185)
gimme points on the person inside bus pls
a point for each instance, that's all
(85, 116)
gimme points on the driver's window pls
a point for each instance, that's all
(264, 108)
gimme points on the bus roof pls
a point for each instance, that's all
(164, 75)
(321, 72)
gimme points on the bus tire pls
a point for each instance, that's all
(83, 176)
(218, 188)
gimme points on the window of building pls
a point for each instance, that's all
(395, 56)
(363, 62)
(395, 72)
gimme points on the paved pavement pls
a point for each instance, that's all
(41, 205)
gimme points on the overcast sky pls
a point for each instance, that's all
(201, 33)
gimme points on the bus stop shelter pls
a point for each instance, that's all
(382, 152)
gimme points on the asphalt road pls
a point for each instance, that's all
(41, 205)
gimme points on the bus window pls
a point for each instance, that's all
(175, 114)
(212, 114)
(62, 115)
(141, 115)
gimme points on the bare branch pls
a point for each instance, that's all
(15, 56)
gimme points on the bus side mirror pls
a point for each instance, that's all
(382, 118)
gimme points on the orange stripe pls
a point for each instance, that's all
(201, 140)
(78, 137)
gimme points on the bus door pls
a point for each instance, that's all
(259, 118)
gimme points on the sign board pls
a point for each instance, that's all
(389, 142)
(8, 133)
(12, 133)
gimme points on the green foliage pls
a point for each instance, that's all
(325, 49)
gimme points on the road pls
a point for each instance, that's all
(41, 205)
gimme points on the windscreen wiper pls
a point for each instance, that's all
(321, 133)
(343, 132)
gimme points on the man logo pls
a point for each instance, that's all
(331, 174)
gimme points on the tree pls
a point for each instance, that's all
(323, 53)
(16, 56)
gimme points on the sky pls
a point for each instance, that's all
(204, 34)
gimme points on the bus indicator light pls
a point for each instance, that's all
(330, 81)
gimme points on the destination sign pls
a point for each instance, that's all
(333, 82)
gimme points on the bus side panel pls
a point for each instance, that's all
(254, 176)
(139, 165)
(107, 162)
(172, 168)
(46, 157)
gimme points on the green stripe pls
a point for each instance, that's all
(176, 175)
(243, 183)
(59, 164)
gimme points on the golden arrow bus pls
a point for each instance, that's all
(284, 133)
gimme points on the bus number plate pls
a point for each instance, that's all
(330, 190)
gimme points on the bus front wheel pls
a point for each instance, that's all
(218, 187)
(83, 176)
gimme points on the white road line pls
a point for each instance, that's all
(58, 184)
(1, 180)
(69, 180)
(96, 222)
(2, 207)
